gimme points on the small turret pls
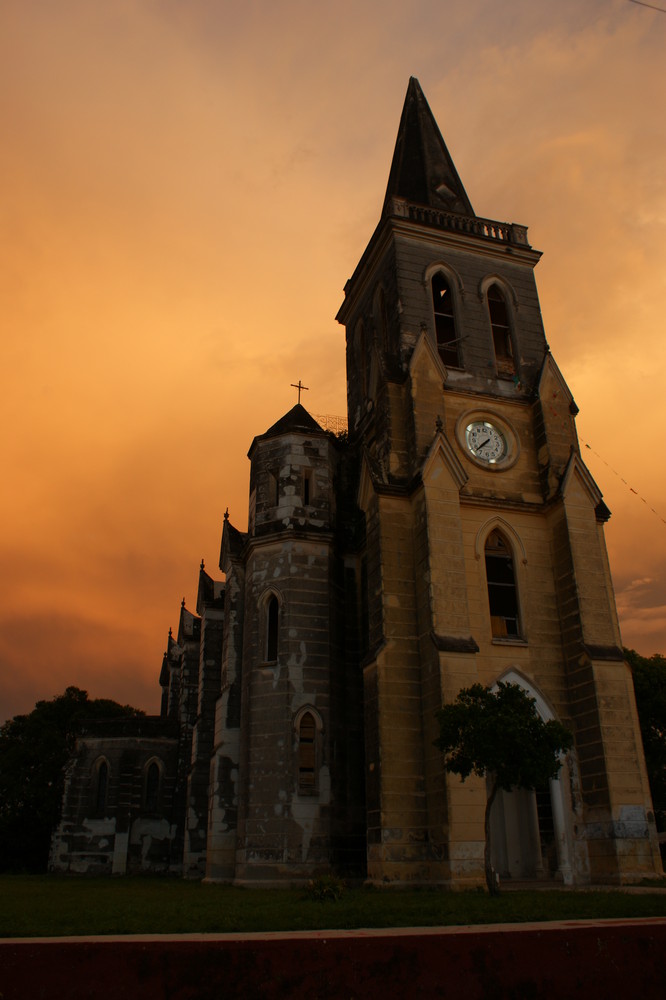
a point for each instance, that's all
(291, 476)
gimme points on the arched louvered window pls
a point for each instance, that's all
(445, 322)
(502, 591)
(272, 621)
(501, 330)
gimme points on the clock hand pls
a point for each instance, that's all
(483, 444)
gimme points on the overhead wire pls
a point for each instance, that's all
(641, 3)
(623, 480)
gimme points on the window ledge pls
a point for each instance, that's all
(513, 640)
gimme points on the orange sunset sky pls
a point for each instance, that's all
(186, 187)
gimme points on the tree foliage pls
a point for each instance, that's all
(34, 750)
(500, 734)
(649, 675)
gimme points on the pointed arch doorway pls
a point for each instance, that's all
(531, 830)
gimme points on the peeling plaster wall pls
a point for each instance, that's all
(224, 764)
(284, 830)
(124, 837)
(198, 781)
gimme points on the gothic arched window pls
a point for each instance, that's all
(445, 321)
(501, 330)
(152, 787)
(502, 591)
(308, 487)
(272, 621)
(307, 753)
(101, 787)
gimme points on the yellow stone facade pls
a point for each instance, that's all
(431, 505)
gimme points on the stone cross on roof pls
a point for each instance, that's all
(300, 387)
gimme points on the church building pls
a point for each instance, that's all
(452, 536)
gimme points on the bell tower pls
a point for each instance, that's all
(484, 555)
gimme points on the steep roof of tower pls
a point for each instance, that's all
(236, 539)
(297, 420)
(422, 170)
(189, 626)
(210, 591)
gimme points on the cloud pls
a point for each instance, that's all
(641, 604)
(55, 651)
(191, 185)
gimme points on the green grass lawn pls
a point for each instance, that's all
(32, 906)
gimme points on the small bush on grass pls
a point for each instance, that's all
(326, 887)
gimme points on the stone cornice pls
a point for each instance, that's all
(454, 643)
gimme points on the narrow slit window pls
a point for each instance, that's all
(502, 592)
(445, 323)
(274, 487)
(307, 733)
(307, 487)
(363, 356)
(272, 630)
(501, 330)
(382, 320)
(365, 608)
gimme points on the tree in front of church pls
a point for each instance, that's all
(34, 750)
(649, 674)
(500, 735)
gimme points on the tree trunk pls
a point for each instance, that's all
(493, 888)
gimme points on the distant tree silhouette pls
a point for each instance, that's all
(649, 675)
(34, 750)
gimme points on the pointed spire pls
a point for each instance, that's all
(422, 171)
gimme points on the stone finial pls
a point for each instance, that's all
(203, 565)
(226, 514)
(439, 426)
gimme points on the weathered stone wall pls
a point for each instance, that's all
(211, 609)
(223, 788)
(427, 593)
(120, 832)
(287, 829)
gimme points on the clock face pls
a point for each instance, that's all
(485, 442)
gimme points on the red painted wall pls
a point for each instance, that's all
(593, 960)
